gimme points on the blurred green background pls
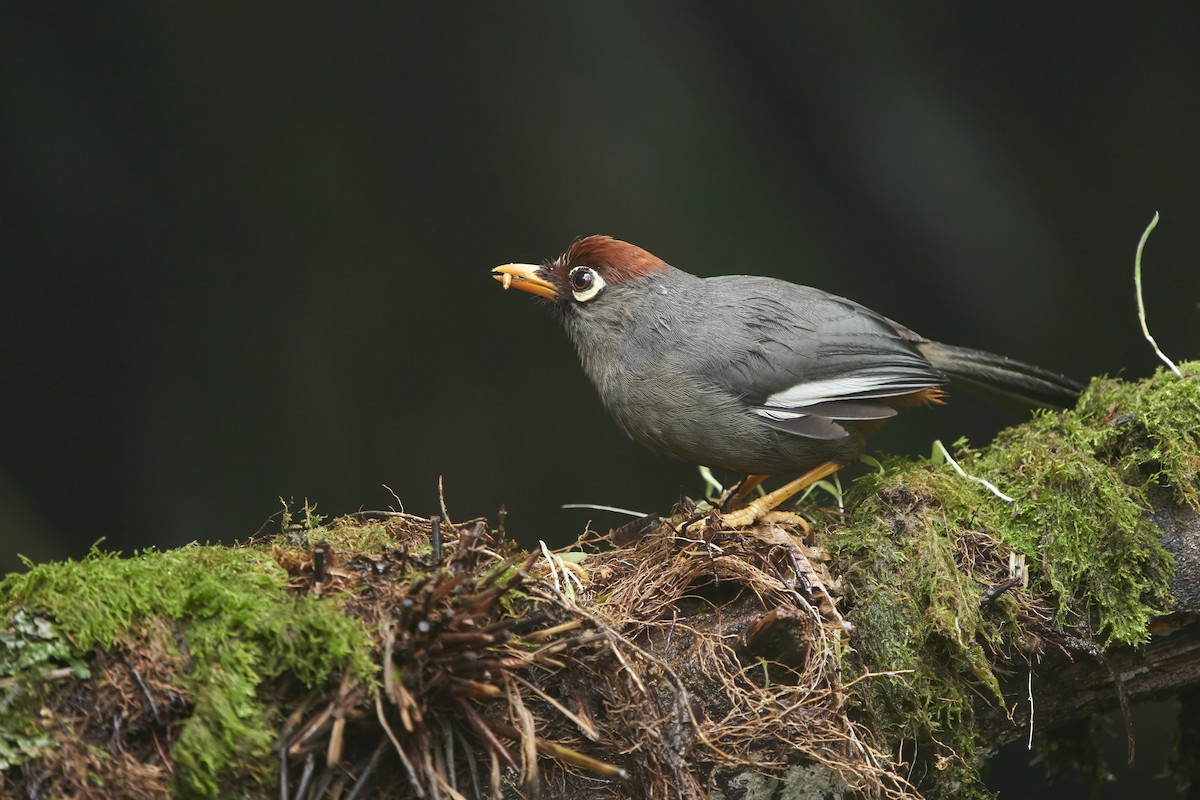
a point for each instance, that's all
(246, 247)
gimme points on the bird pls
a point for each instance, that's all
(753, 374)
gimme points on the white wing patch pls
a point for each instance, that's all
(850, 387)
(777, 413)
(813, 408)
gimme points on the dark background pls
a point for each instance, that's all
(245, 250)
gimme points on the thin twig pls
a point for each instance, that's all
(395, 497)
(1137, 283)
(380, 516)
(365, 777)
(408, 765)
(137, 676)
(442, 501)
(937, 443)
(551, 566)
(989, 597)
(586, 728)
(310, 765)
(598, 507)
(1030, 691)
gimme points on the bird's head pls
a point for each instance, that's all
(591, 266)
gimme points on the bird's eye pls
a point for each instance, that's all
(585, 282)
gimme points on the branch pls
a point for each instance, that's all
(886, 652)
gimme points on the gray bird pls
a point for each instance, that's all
(753, 374)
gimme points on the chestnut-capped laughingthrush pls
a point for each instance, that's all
(753, 374)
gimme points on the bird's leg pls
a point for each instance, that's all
(758, 508)
(742, 490)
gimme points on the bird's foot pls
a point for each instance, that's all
(757, 509)
(787, 519)
(737, 494)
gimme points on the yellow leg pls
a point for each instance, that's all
(755, 511)
(748, 485)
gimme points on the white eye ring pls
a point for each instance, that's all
(585, 283)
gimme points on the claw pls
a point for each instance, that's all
(755, 511)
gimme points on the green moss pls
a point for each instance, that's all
(1152, 428)
(1080, 481)
(1080, 516)
(917, 615)
(307, 527)
(239, 627)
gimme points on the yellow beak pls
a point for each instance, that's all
(525, 277)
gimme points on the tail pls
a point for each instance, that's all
(1007, 382)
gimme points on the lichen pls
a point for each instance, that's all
(29, 645)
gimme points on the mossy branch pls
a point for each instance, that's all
(885, 653)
